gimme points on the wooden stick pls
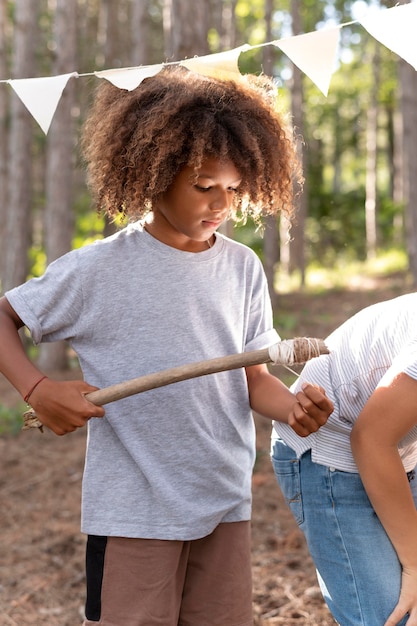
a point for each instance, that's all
(289, 352)
(177, 374)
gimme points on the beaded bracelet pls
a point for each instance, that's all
(27, 396)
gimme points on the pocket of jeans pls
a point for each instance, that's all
(287, 474)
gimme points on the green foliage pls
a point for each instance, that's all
(334, 127)
(335, 227)
(249, 15)
(249, 235)
(11, 419)
(335, 152)
(37, 258)
(286, 322)
(342, 274)
(89, 223)
(89, 226)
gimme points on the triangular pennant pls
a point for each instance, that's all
(395, 28)
(129, 77)
(218, 65)
(314, 54)
(41, 96)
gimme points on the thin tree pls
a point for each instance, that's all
(59, 214)
(223, 20)
(270, 238)
(371, 159)
(408, 102)
(408, 82)
(186, 26)
(3, 134)
(227, 30)
(109, 32)
(140, 32)
(398, 178)
(293, 250)
(18, 227)
(109, 39)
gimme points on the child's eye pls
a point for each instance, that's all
(209, 188)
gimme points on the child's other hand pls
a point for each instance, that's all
(311, 411)
(62, 407)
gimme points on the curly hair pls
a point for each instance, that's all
(135, 142)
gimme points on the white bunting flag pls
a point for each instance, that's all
(129, 77)
(314, 54)
(395, 28)
(218, 65)
(41, 96)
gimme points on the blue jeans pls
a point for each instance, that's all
(357, 567)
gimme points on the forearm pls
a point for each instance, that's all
(61, 406)
(388, 415)
(305, 412)
(14, 363)
(271, 398)
(386, 484)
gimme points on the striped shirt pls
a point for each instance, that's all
(378, 339)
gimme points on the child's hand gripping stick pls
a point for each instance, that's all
(286, 352)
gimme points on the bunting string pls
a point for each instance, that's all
(314, 53)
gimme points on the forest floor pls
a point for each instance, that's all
(42, 550)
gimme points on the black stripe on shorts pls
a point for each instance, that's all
(94, 566)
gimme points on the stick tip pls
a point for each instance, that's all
(297, 350)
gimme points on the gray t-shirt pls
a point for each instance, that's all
(174, 462)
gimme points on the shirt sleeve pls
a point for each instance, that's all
(50, 306)
(406, 361)
(261, 333)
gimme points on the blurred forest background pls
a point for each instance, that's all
(359, 144)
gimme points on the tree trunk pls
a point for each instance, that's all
(186, 26)
(140, 30)
(109, 18)
(18, 228)
(398, 177)
(371, 160)
(408, 103)
(228, 25)
(110, 45)
(59, 216)
(223, 20)
(3, 137)
(408, 82)
(296, 246)
(271, 239)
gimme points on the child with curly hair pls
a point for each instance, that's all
(167, 484)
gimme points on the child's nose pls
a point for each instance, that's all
(221, 201)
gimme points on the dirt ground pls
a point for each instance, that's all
(42, 550)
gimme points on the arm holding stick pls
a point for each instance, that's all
(269, 397)
(62, 404)
(289, 352)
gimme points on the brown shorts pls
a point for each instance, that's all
(149, 582)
